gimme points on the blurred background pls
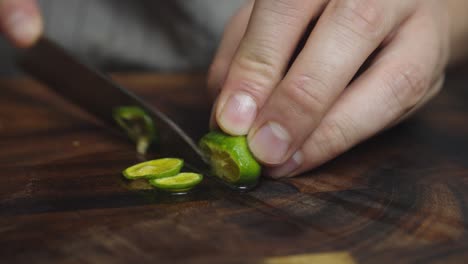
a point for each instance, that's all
(140, 35)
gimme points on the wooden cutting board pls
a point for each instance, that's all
(402, 197)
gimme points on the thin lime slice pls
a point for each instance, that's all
(159, 168)
(179, 183)
(231, 159)
(138, 125)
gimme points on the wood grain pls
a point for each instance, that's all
(399, 198)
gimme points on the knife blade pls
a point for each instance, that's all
(94, 92)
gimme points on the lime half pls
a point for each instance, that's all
(231, 159)
(179, 183)
(159, 168)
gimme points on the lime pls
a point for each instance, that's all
(231, 159)
(137, 124)
(179, 183)
(159, 168)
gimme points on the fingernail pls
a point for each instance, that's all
(287, 168)
(238, 114)
(270, 143)
(22, 27)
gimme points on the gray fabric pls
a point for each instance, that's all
(118, 35)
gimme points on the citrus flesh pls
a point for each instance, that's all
(231, 159)
(181, 182)
(159, 168)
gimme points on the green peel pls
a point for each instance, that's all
(137, 124)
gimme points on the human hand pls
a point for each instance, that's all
(20, 21)
(297, 118)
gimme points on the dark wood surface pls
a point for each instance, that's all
(401, 197)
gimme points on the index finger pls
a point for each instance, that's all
(274, 30)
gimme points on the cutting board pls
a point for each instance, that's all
(401, 197)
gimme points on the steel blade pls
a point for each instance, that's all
(97, 94)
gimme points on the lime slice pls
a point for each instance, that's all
(179, 183)
(231, 159)
(137, 124)
(159, 168)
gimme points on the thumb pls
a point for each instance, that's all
(20, 21)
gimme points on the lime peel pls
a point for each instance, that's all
(138, 125)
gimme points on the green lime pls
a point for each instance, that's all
(231, 159)
(138, 125)
(179, 183)
(159, 168)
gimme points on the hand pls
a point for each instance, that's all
(299, 117)
(20, 21)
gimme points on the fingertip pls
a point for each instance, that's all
(21, 22)
(270, 144)
(287, 169)
(237, 114)
(25, 32)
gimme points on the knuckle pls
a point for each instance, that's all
(365, 18)
(259, 60)
(406, 84)
(254, 90)
(286, 11)
(308, 94)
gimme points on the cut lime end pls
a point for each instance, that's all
(231, 159)
(159, 168)
(224, 166)
(181, 182)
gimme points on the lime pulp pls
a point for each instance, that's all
(159, 168)
(179, 183)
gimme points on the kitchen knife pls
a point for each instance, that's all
(94, 92)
